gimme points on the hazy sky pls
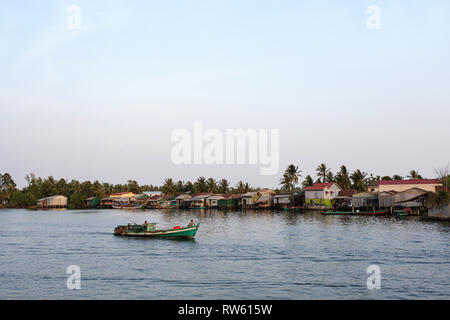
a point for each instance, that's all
(101, 102)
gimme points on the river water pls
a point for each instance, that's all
(235, 255)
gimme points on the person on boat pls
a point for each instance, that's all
(192, 223)
(145, 223)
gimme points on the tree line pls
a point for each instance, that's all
(77, 192)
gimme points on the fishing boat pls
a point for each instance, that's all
(150, 230)
(368, 213)
(338, 213)
(403, 212)
(291, 208)
(127, 206)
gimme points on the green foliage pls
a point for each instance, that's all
(359, 180)
(22, 200)
(76, 201)
(343, 178)
(211, 186)
(7, 188)
(290, 178)
(438, 199)
(308, 182)
(414, 174)
(322, 172)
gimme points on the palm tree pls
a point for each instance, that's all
(224, 186)
(330, 177)
(373, 178)
(242, 187)
(133, 186)
(414, 174)
(293, 174)
(286, 183)
(211, 185)
(343, 179)
(169, 187)
(322, 172)
(308, 182)
(358, 177)
(179, 186)
(200, 185)
(189, 187)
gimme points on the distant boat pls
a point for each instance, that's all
(337, 213)
(149, 230)
(291, 208)
(127, 206)
(368, 213)
(403, 212)
(349, 213)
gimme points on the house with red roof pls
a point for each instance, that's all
(402, 185)
(321, 194)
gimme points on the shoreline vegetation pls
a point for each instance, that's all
(77, 192)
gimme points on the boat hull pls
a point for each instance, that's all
(361, 213)
(188, 232)
(126, 207)
(338, 213)
(371, 213)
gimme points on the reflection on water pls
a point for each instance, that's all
(235, 255)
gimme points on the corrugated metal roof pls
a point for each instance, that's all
(412, 181)
(319, 186)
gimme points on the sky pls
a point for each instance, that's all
(101, 102)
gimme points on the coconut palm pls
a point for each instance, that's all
(240, 187)
(343, 179)
(211, 185)
(414, 174)
(169, 187)
(179, 186)
(308, 182)
(358, 177)
(293, 173)
(322, 172)
(330, 177)
(200, 185)
(224, 186)
(286, 182)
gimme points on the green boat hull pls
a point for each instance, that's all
(401, 213)
(337, 213)
(366, 213)
(187, 232)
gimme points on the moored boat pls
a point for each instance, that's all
(291, 208)
(368, 213)
(150, 230)
(403, 212)
(127, 206)
(338, 213)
